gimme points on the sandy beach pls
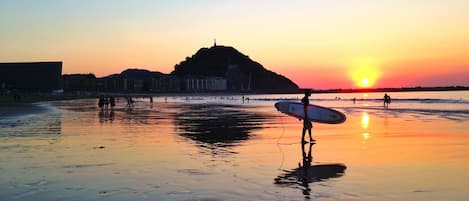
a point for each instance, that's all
(219, 148)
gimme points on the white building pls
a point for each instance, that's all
(205, 84)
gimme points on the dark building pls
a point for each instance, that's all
(165, 83)
(31, 76)
(138, 80)
(79, 82)
(203, 84)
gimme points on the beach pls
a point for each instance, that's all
(221, 148)
(13, 110)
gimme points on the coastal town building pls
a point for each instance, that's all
(165, 83)
(137, 80)
(31, 76)
(202, 83)
(79, 82)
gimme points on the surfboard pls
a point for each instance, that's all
(315, 113)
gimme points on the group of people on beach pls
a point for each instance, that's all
(105, 102)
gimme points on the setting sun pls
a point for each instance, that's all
(364, 73)
(365, 82)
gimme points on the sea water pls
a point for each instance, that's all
(219, 147)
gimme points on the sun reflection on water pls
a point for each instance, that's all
(365, 136)
(365, 120)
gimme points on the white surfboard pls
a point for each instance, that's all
(315, 113)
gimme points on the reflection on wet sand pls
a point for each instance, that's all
(106, 116)
(48, 123)
(216, 126)
(306, 173)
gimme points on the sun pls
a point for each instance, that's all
(364, 73)
(365, 82)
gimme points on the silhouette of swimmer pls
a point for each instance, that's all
(307, 125)
(386, 100)
(307, 173)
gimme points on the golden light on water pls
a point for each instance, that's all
(365, 136)
(365, 120)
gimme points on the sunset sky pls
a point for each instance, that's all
(316, 43)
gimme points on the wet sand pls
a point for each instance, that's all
(20, 109)
(220, 149)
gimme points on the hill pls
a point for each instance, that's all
(240, 71)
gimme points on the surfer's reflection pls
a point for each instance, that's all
(306, 173)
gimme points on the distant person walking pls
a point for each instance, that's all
(307, 125)
(386, 100)
(101, 102)
(112, 101)
(106, 103)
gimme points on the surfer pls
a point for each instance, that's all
(307, 125)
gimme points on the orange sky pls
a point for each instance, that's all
(318, 44)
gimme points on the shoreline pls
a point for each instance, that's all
(29, 98)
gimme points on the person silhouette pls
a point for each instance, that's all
(101, 102)
(112, 101)
(386, 100)
(106, 103)
(307, 125)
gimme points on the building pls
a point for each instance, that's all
(138, 80)
(31, 76)
(79, 82)
(165, 83)
(203, 84)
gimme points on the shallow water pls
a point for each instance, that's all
(219, 148)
